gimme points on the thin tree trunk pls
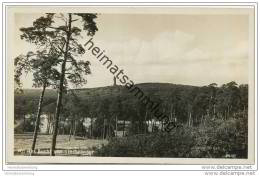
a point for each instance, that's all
(104, 128)
(227, 112)
(91, 127)
(244, 111)
(75, 128)
(191, 119)
(60, 92)
(124, 129)
(48, 124)
(188, 119)
(214, 111)
(152, 125)
(48, 128)
(83, 128)
(138, 127)
(71, 127)
(114, 81)
(108, 129)
(148, 126)
(190, 123)
(63, 129)
(38, 118)
(24, 120)
(145, 117)
(116, 127)
(51, 125)
(171, 113)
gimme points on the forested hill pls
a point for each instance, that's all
(160, 90)
(157, 88)
(181, 100)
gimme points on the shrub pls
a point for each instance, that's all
(178, 143)
(219, 137)
(216, 138)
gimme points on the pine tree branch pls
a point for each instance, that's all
(58, 29)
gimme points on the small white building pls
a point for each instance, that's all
(44, 123)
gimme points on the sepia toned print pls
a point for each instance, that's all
(148, 86)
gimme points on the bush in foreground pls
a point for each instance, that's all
(216, 138)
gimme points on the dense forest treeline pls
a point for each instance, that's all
(184, 104)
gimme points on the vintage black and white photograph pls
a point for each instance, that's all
(143, 83)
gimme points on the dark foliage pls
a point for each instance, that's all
(217, 139)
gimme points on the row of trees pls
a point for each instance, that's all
(56, 37)
(183, 104)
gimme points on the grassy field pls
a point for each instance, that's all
(24, 142)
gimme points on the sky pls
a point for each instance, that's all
(165, 48)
